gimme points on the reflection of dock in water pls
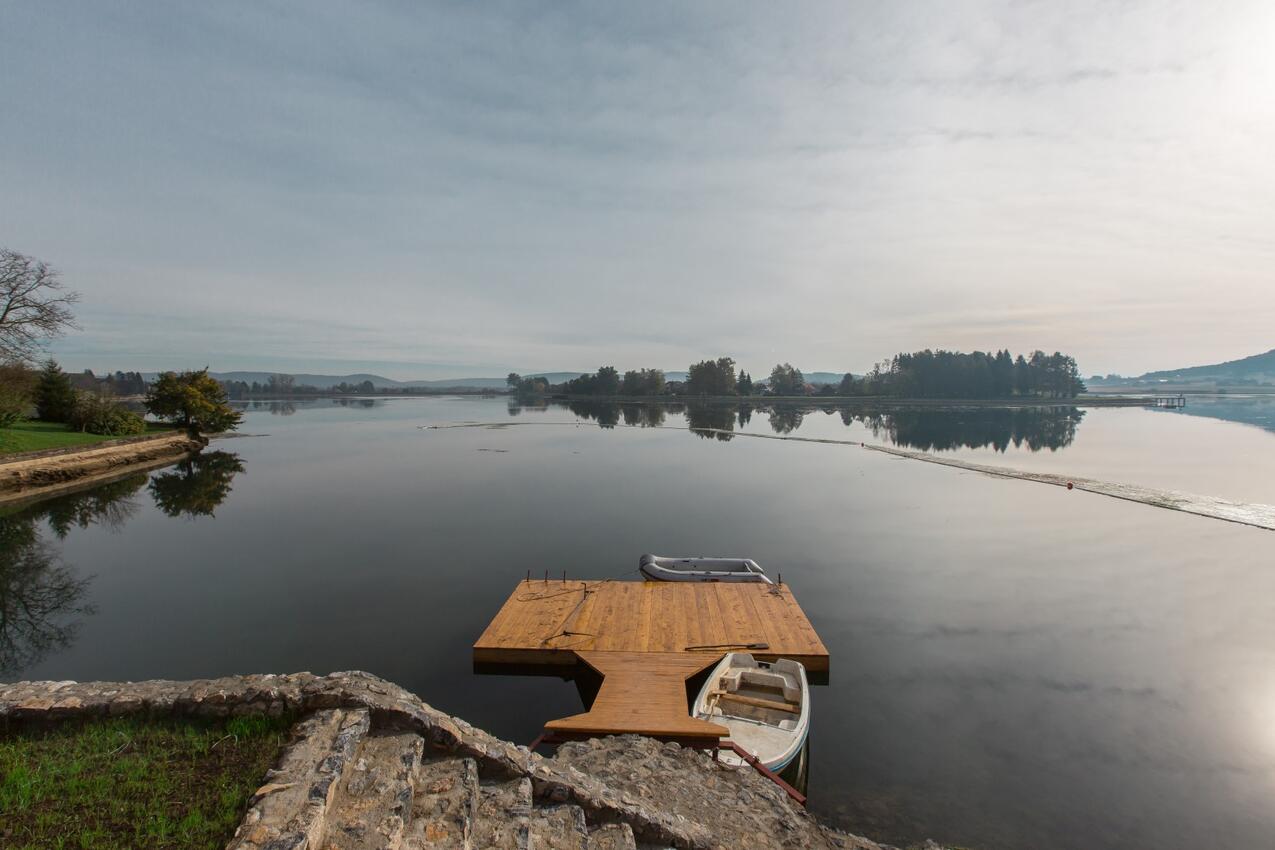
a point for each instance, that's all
(645, 640)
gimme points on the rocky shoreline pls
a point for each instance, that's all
(372, 766)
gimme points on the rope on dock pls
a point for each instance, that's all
(1252, 514)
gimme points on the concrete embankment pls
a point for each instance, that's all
(371, 765)
(38, 474)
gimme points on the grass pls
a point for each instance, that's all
(133, 783)
(32, 436)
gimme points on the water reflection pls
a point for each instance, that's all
(42, 598)
(110, 505)
(605, 413)
(711, 421)
(195, 486)
(1249, 410)
(786, 419)
(1036, 428)
(939, 429)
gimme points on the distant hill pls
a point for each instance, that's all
(324, 382)
(1259, 368)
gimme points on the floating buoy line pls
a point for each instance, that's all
(1252, 514)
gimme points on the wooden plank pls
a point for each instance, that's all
(642, 693)
(618, 616)
(777, 705)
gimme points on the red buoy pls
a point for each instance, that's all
(1070, 485)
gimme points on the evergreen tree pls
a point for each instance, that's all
(54, 395)
(193, 400)
(1022, 376)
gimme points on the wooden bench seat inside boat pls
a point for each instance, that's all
(757, 702)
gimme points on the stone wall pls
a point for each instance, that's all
(371, 765)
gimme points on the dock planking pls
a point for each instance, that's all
(549, 622)
(645, 639)
(643, 693)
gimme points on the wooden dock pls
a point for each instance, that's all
(645, 639)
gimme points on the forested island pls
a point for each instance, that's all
(921, 374)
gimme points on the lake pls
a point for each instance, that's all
(1013, 665)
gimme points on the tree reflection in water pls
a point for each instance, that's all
(110, 505)
(711, 421)
(933, 429)
(195, 486)
(42, 599)
(643, 415)
(784, 419)
(1037, 428)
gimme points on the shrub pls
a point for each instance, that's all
(13, 407)
(96, 414)
(16, 383)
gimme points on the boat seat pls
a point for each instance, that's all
(763, 678)
(771, 681)
(773, 705)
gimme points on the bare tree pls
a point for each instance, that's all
(34, 306)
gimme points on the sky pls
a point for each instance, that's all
(429, 190)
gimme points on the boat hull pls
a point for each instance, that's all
(755, 701)
(657, 568)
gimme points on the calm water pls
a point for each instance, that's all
(1013, 665)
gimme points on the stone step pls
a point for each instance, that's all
(559, 828)
(612, 836)
(292, 807)
(504, 812)
(373, 804)
(445, 805)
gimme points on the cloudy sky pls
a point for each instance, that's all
(430, 190)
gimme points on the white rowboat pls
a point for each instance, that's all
(766, 707)
(657, 568)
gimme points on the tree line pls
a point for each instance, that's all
(919, 374)
(955, 374)
(281, 385)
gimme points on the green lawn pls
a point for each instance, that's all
(32, 436)
(133, 782)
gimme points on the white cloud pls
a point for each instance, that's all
(562, 186)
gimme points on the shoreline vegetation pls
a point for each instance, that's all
(950, 375)
(133, 781)
(32, 435)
